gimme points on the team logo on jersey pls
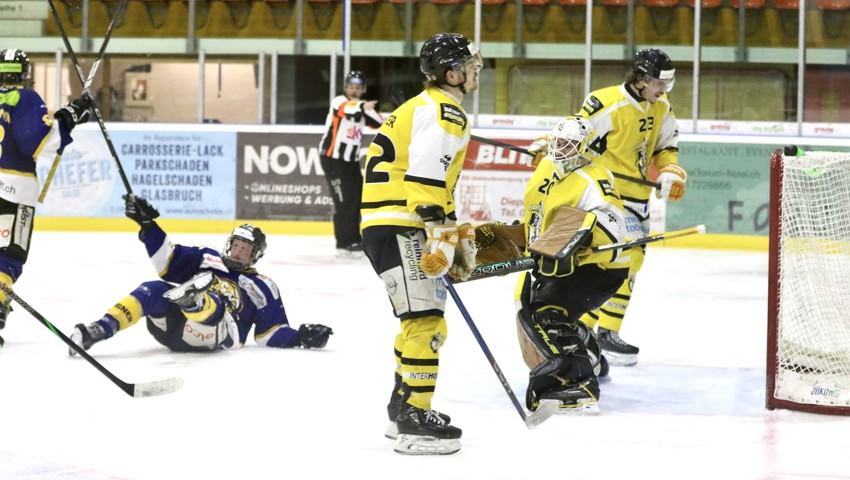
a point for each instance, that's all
(606, 188)
(437, 341)
(452, 114)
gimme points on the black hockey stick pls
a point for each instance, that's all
(508, 146)
(527, 263)
(136, 390)
(86, 89)
(531, 420)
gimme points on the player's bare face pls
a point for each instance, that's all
(240, 251)
(471, 68)
(653, 88)
(354, 91)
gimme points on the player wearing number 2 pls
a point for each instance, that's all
(635, 127)
(410, 235)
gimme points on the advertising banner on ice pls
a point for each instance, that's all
(184, 174)
(279, 177)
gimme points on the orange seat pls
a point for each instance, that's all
(787, 4)
(493, 2)
(446, 2)
(706, 3)
(573, 3)
(834, 4)
(661, 3)
(615, 3)
(751, 4)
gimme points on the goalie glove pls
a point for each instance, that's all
(672, 178)
(538, 149)
(464, 261)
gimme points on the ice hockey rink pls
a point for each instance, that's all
(693, 408)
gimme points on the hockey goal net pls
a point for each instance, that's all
(808, 350)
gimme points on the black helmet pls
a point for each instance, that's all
(356, 77)
(654, 63)
(443, 52)
(250, 234)
(14, 66)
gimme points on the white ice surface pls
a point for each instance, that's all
(693, 407)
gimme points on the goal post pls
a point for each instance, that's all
(808, 334)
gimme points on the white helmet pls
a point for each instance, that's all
(568, 144)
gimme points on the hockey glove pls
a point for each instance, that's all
(74, 113)
(538, 149)
(139, 210)
(439, 250)
(314, 335)
(464, 261)
(672, 178)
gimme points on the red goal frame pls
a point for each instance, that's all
(774, 300)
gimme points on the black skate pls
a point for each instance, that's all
(575, 399)
(189, 295)
(392, 412)
(616, 349)
(423, 432)
(86, 336)
(5, 308)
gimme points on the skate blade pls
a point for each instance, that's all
(621, 359)
(588, 408)
(424, 445)
(392, 431)
(198, 283)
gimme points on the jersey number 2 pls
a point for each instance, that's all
(387, 155)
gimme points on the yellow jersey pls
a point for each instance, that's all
(415, 159)
(589, 188)
(630, 133)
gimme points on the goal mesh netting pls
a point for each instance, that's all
(809, 327)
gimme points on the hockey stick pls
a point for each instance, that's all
(136, 390)
(508, 146)
(527, 263)
(531, 420)
(86, 82)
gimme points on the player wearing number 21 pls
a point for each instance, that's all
(634, 127)
(410, 235)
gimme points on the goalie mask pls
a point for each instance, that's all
(568, 144)
(14, 67)
(244, 247)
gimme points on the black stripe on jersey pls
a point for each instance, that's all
(611, 237)
(431, 182)
(452, 114)
(611, 314)
(607, 188)
(426, 362)
(422, 388)
(385, 203)
(621, 296)
(636, 214)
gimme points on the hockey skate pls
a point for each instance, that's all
(574, 399)
(5, 308)
(189, 295)
(424, 432)
(616, 349)
(392, 412)
(351, 252)
(86, 336)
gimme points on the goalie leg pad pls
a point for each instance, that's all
(560, 352)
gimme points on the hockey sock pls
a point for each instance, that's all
(420, 357)
(126, 312)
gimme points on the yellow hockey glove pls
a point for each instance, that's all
(538, 149)
(672, 178)
(439, 250)
(464, 261)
